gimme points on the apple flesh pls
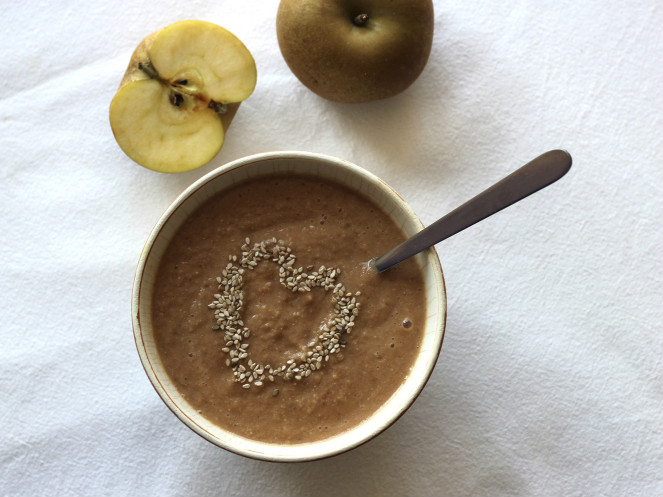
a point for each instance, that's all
(354, 51)
(179, 94)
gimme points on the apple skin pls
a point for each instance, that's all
(349, 63)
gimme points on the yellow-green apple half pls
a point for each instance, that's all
(355, 51)
(180, 93)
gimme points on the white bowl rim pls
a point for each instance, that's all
(298, 452)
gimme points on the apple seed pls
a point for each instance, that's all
(176, 99)
(177, 87)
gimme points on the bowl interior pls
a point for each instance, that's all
(224, 178)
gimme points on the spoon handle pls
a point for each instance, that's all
(532, 177)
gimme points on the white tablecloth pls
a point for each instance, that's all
(550, 377)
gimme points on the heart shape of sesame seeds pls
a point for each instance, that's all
(228, 305)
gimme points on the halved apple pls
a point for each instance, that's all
(182, 89)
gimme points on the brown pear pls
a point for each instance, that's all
(354, 51)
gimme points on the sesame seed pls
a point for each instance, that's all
(227, 308)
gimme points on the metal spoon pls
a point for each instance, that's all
(532, 177)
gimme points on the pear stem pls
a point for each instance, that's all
(360, 20)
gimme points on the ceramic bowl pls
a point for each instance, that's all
(224, 178)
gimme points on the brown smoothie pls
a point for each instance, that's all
(268, 318)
